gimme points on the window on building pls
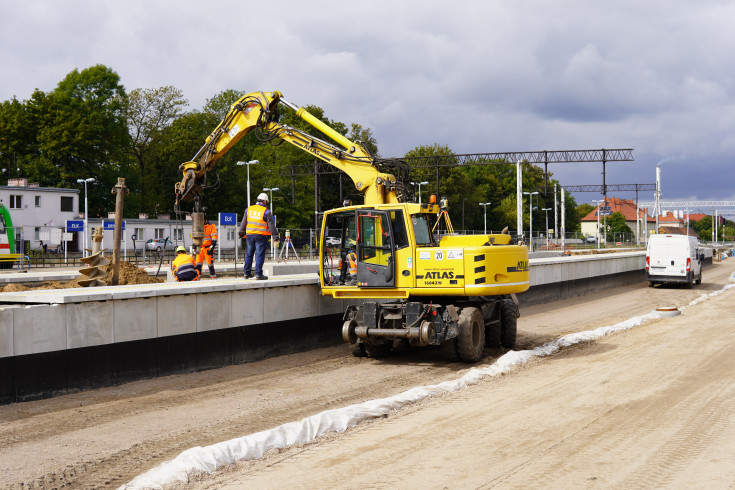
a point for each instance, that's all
(16, 202)
(139, 233)
(67, 203)
(38, 201)
(36, 233)
(230, 233)
(160, 233)
(178, 234)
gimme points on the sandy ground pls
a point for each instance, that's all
(649, 407)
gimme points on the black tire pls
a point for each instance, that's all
(158, 250)
(508, 323)
(699, 279)
(376, 351)
(357, 349)
(651, 284)
(471, 338)
(492, 333)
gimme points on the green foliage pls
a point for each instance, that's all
(90, 127)
(616, 224)
(220, 104)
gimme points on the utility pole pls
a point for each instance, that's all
(121, 192)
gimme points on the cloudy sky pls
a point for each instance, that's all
(479, 76)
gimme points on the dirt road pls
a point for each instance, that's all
(652, 407)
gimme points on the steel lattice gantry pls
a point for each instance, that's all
(535, 157)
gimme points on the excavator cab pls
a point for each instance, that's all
(370, 233)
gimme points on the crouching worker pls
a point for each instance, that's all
(184, 267)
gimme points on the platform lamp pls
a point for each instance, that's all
(530, 218)
(485, 205)
(547, 225)
(86, 213)
(419, 184)
(599, 204)
(251, 162)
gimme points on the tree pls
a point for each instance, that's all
(220, 104)
(616, 224)
(148, 112)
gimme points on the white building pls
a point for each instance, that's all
(42, 212)
(36, 211)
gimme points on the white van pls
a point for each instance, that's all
(673, 259)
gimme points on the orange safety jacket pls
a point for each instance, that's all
(210, 233)
(352, 257)
(184, 268)
(257, 225)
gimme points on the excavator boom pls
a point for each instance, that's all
(260, 111)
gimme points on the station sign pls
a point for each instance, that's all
(74, 225)
(228, 219)
(110, 225)
(605, 210)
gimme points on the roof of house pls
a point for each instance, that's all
(625, 207)
(675, 230)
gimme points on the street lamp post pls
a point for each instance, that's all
(251, 162)
(599, 203)
(485, 205)
(419, 184)
(86, 214)
(273, 239)
(530, 218)
(547, 225)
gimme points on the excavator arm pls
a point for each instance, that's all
(260, 111)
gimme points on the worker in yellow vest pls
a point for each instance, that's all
(183, 267)
(206, 252)
(257, 226)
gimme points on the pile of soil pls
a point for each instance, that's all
(128, 274)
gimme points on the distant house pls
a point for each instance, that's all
(625, 207)
(677, 230)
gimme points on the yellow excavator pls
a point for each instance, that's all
(410, 276)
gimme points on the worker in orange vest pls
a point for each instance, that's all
(206, 252)
(183, 267)
(352, 261)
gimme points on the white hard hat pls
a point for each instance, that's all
(262, 196)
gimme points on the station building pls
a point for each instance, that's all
(40, 214)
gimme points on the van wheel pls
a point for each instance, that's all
(651, 284)
(699, 280)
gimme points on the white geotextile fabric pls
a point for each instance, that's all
(254, 446)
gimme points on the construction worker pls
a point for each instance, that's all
(183, 267)
(352, 261)
(206, 252)
(257, 227)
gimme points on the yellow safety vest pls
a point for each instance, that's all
(256, 220)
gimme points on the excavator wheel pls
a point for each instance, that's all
(508, 323)
(358, 349)
(471, 338)
(376, 351)
(348, 335)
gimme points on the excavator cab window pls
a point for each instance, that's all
(422, 230)
(375, 264)
(399, 229)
